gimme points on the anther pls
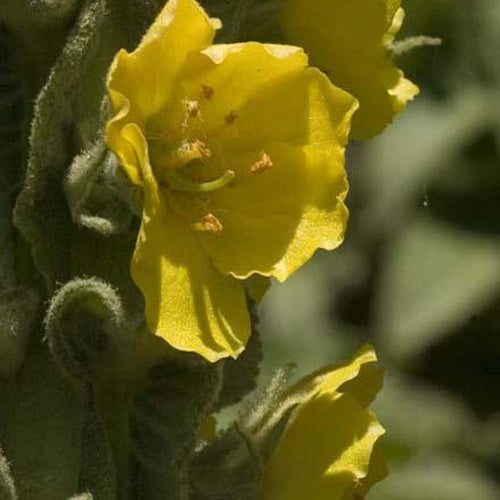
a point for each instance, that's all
(201, 149)
(207, 92)
(188, 152)
(193, 109)
(231, 117)
(211, 223)
(262, 164)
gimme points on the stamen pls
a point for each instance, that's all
(189, 151)
(262, 164)
(207, 92)
(193, 109)
(211, 223)
(201, 148)
(231, 117)
(178, 182)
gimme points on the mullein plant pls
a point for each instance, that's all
(160, 165)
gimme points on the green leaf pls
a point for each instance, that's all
(226, 468)
(41, 212)
(69, 119)
(13, 140)
(19, 308)
(167, 417)
(247, 20)
(7, 487)
(97, 470)
(45, 12)
(41, 421)
(240, 375)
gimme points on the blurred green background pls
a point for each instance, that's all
(419, 273)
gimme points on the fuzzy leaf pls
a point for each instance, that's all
(168, 414)
(97, 472)
(67, 120)
(13, 126)
(231, 465)
(247, 20)
(18, 311)
(7, 487)
(45, 12)
(226, 468)
(41, 212)
(240, 376)
(40, 431)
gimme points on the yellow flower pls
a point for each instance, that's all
(348, 40)
(239, 152)
(329, 448)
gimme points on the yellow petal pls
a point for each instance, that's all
(328, 449)
(361, 377)
(278, 212)
(346, 38)
(189, 303)
(274, 222)
(366, 385)
(220, 81)
(377, 470)
(140, 83)
(324, 452)
(237, 73)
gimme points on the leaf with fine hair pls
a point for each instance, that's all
(7, 487)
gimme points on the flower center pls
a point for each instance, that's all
(193, 152)
(174, 177)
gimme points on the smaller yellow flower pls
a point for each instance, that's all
(329, 448)
(239, 153)
(348, 40)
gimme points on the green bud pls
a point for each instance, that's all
(95, 188)
(86, 327)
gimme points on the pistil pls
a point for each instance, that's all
(178, 182)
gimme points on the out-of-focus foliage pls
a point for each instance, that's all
(419, 274)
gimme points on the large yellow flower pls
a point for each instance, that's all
(239, 152)
(348, 40)
(329, 448)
